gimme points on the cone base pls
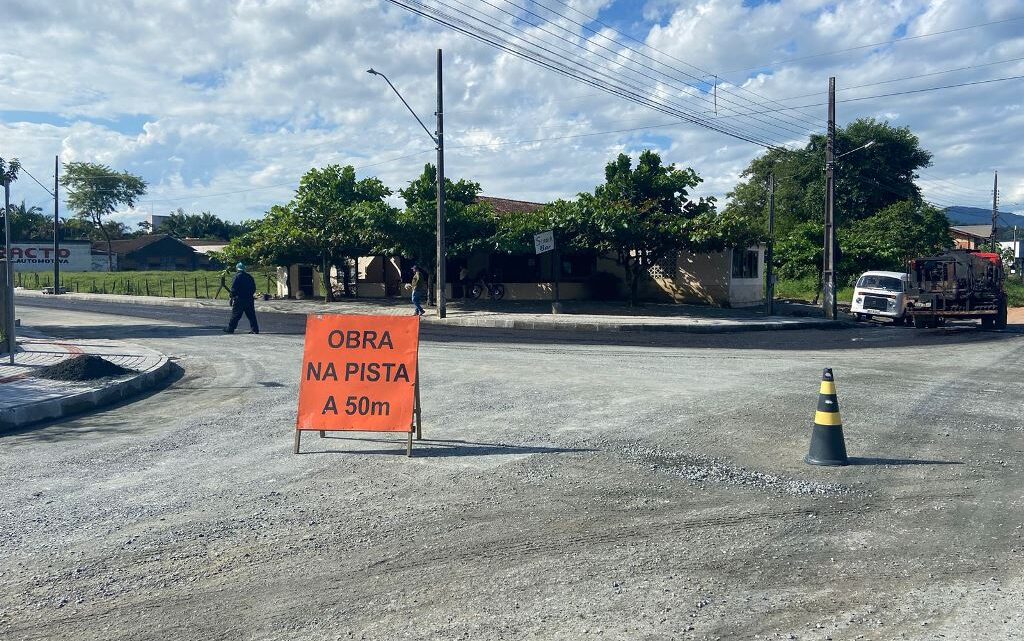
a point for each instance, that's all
(827, 446)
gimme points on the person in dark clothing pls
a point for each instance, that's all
(242, 290)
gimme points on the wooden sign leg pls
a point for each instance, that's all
(416, 405)
(322, 434)
(298, 433)
(408, 448)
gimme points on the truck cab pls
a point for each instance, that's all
(881, 294)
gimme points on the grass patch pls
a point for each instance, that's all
(1014, 291)
(805, 288)
(185, 284)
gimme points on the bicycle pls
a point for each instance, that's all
(495, 291)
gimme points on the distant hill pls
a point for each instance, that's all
(977, 216)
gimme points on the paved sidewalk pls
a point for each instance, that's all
(535, 315)
(26, 399)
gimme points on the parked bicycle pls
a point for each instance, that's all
(495, 291)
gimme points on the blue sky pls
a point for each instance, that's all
(222, 106)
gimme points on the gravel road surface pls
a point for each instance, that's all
(567, 488)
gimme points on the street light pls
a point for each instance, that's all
(438, 139)
(829, 298)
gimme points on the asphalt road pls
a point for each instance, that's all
(567, 488)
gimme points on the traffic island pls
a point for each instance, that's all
(53, 378)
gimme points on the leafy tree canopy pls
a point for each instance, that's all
(331, 218)
(204, 225)
(643, 214)
(868, 182)
(95, 191)
(469, 225)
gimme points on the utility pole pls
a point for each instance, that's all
(441, 254)
(8, 274)
(769, 250)
(56, 227)
(829, 268)
(995, 213)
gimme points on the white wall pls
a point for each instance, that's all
(38, 257)
(746, 292)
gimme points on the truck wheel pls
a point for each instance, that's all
(920, 322)
(987, 322)
(1000, 321)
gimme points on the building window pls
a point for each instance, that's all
(744, 263)
(515, 268)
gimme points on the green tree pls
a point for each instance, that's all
(866, 182)
(204, 225)
(893, 236)
(644, 214)
(332, 217)
(29, 223)
(95, 191)
(469, 225)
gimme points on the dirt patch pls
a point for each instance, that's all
(82, 368)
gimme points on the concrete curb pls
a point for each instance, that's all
(675, 328)
(12, 418)
(701, 326)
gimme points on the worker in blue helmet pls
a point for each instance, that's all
(243, 288)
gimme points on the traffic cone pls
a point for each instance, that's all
(827, 444)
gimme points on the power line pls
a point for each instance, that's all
(593, 19)
(915, 77)
(590, 67)
(561, 67)
(901, 93)
(599, 34)
(36, 181)
(876, 44)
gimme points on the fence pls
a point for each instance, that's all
(188, 285)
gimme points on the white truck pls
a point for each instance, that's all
(881, 294)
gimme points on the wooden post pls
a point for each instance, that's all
(323, 434)
(298, 433)
(408, 447)
(416, 404)
(195, 287)
(206, 285)
(173, 292)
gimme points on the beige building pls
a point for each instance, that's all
(730, 278)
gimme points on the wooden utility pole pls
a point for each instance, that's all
(829, 267)
(441, 254)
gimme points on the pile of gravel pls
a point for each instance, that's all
(705, 470)
(86, 367)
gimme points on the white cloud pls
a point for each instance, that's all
(222, 106)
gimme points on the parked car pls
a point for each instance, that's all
(882, 294)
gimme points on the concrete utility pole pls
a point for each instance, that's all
(9, 274)
(995, 213)
(829, 267)
(56, 227)
(438, 138)
(441, 253)
(769, 250)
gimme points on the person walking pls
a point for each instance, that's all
(464, 281)
(419, 287)
(243, 288)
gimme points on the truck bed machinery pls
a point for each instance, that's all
(957, 284)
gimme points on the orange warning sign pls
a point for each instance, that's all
(359, 373)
